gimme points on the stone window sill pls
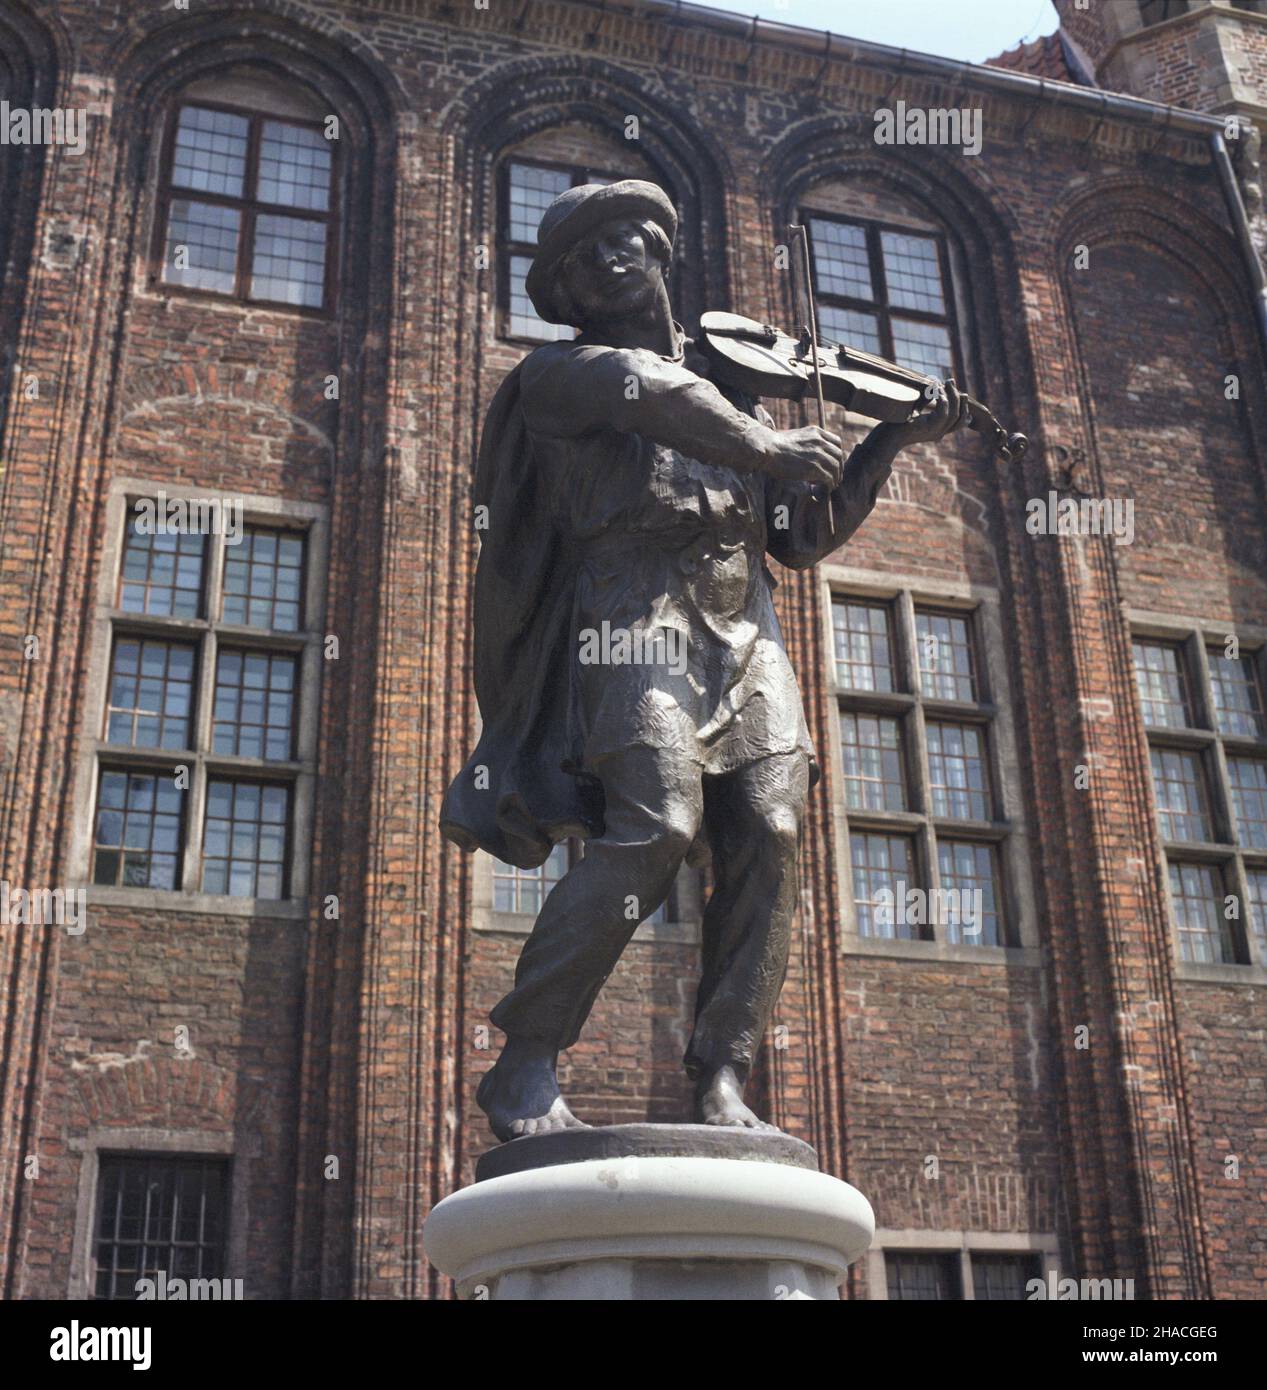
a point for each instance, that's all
(942, 952)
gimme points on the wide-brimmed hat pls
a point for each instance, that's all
(578, 211)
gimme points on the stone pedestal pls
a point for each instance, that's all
(650, 1212)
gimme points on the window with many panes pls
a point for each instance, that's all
(926, 1276)
(527, 189)
(247, 206)
(199, 761)
(886, 290)
(916, 736)
(1203, 708)
(155, 1213)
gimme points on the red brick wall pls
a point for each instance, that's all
(358, 1039)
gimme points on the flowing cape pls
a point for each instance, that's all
(514, 797)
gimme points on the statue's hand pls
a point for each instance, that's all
(807, 455)
(928, 426)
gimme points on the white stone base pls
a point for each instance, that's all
(652, 1228)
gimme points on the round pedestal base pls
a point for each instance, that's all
(651, 1225)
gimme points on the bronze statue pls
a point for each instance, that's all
(629, 667)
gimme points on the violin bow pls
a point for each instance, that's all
(801, 235)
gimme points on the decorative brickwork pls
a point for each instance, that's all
(1082, 1088)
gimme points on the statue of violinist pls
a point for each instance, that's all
(620, 491)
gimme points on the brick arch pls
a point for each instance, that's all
(522, 97)
(161, 52)
(162, 1091)
(1206, 487)
(152, 390)
(976, 220)
(1122, 211)
(38, 58)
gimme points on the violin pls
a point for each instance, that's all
(764, 361)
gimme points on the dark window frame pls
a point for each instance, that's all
(880, 306)
(507, 249)
(260, 778)
(1229, 853)
(210, 636)
(250, 208)
(912, 708)
(173, 1161)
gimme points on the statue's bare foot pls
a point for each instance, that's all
(719, 1101)
(520, 1095)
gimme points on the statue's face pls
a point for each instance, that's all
(613, 272)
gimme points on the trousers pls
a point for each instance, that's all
(657, 801)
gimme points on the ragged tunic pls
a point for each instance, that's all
(670, 548)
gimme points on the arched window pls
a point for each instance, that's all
(248, 193)
(883, 278)
(530, 178)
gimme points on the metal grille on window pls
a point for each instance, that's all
(922, 1278)
(1003, 1277)
(158, 1216)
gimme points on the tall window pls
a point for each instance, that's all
(199, 759)
(918, 771)
(1203, 708)
(246, 207)
(527, 189)
(886, 290)
(158, 1214)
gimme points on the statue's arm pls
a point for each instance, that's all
(802, 530)
(569, 392)
(800, 527)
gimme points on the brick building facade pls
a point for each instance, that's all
(269, 1034)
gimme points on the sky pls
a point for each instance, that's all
(971, 29)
